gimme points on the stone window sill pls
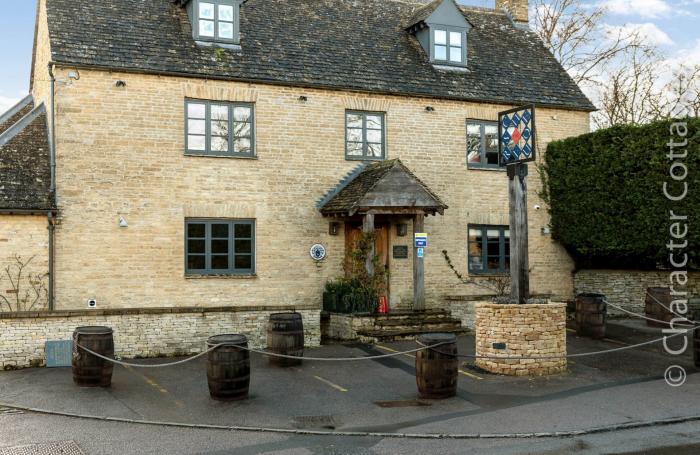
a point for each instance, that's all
(204, 155)
(484, 168)
(221, 277)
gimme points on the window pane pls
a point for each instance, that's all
(355, 148)
(456, 54)
(195, 262)
(206, 28)
(219, 262)
(374, 150)
(244, 246)
(241, 113)
(195, 143)
(456, 39)
(219, 112)
(242, 145)
(440, 52)
(219, 230)
(196, 110)
(374, 136)
(226, 30)
(219, 144)
(354, 120)
(491, 139)
(241, 130)
(196, 127)
(243, 231)
(195, 246)
(206, 10)
(475, 249)
(225, 13)
(473, 143)
(244, 262)
(374, 122)
(219, 128)
(354, 135)
(440, 37)
(219, 246)
(195, 230)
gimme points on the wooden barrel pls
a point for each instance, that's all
(228, 368)
(657, 304)
(591, 314)
(90, 370)
(285, 335)
(436, 369)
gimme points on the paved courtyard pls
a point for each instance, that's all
(377, 396)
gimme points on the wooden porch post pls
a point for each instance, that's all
(418, 271)
(368, 227)
(519, 267)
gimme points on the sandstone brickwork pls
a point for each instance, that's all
(537, 330)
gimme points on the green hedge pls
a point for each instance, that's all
(605, 193)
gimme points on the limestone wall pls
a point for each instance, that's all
(627, 288)
(140, 333)
(537, 330)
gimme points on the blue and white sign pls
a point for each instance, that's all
(421, 240)
(318, 252)
(420, 252)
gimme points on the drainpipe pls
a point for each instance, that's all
(52, 187)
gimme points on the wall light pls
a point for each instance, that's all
(430, 109)
(303, 98)
(401, 229)
(333, 228)
(120, 84)
(122, 222)
(75, 75)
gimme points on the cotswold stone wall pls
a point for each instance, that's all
(627, 288)
(140, 333)
(537, 330)
(120, 152)
(26, 237)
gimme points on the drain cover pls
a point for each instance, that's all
(402, 403)
(52, 448)
(312, 422)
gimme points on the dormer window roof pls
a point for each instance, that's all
(442, 31)
(215, 21)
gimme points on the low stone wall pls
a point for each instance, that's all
(627, 288)
(344, 327)
(537, 330)
(463, 307)
(152, 332)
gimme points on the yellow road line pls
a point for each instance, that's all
(327, 382)
(155, 385)
(385, 348)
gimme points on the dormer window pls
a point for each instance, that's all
(442, 29)
(216, 20)
(448, 46)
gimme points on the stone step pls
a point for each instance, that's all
(416, 320)
(395, 335)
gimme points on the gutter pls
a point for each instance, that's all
(52, 188)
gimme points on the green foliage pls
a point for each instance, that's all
(606, 199)
(359, 291)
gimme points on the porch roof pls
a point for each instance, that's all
(381, 187)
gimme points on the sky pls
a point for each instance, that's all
(670, 24)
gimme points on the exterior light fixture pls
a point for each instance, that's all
(120, 84)
(333, 228)
(430, 109)
(401, 229)
(122, 222)
(303, 98)
(74, 75)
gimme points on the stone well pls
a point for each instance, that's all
(535, 330)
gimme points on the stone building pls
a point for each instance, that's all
(177, 160)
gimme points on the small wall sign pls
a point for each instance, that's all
(318, 252)
(400, 252)
(420, 252)
(421, 240)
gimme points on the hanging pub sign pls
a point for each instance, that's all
(516, 135)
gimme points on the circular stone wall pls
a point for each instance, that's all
(537, 330)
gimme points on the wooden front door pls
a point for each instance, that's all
(353, 230)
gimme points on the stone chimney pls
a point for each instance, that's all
(516, 8)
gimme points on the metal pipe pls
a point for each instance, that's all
(52, 187)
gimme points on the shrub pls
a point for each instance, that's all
(606, 200)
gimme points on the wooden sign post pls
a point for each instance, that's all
(516, 137)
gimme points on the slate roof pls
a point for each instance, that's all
(346, 198)
(423, 12)
(25, 174)
(15, 113)
(359, 45)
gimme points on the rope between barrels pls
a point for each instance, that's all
(667, 309)
(646, 317)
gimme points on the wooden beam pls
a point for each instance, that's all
(418, 270)
(368, 228)
(519, 264)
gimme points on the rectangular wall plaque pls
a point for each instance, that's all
(400, 252)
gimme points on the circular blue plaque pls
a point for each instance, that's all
(318, 252)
